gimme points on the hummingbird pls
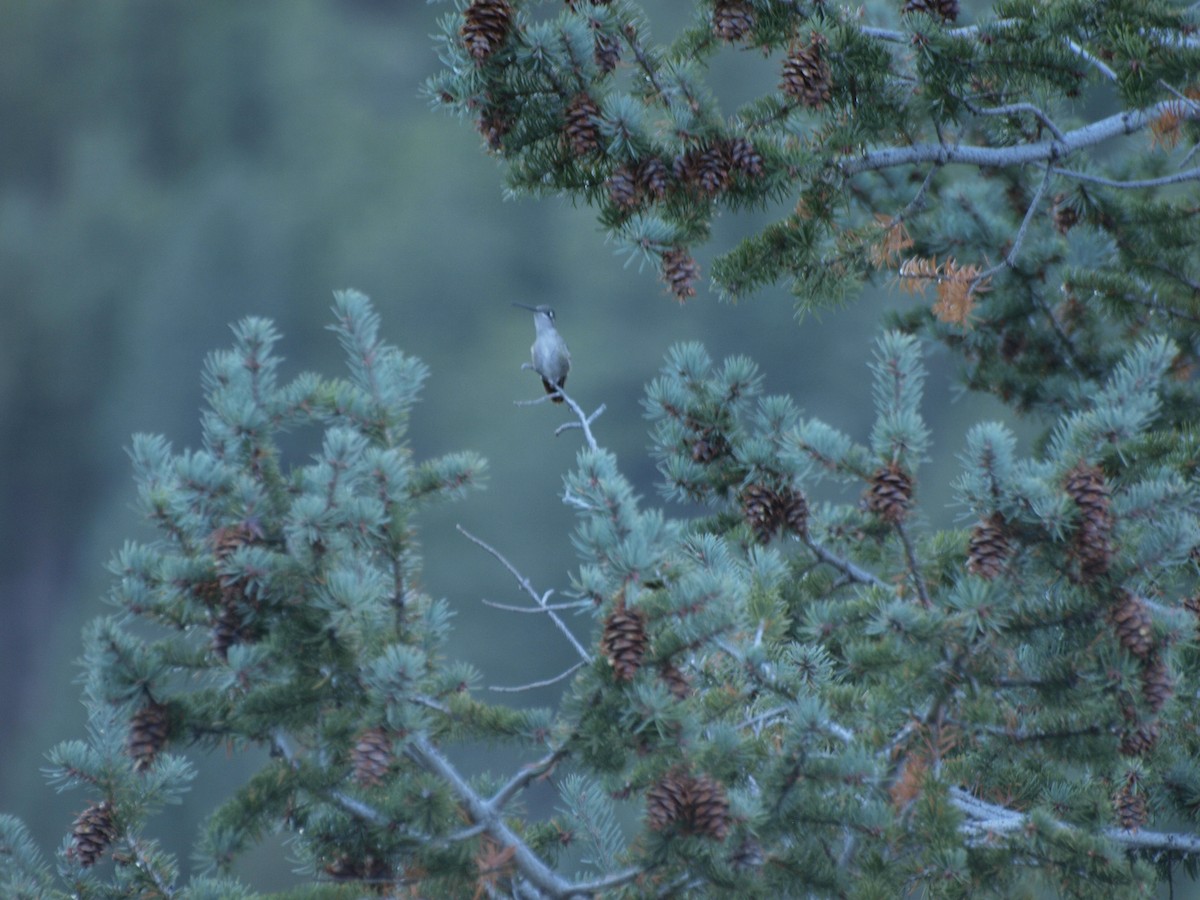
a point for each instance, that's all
(551, 358)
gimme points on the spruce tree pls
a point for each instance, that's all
(775, 695)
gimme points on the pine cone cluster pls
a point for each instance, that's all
(709, 168)
(1092, 541)
(806, 75)
(989, 548)
(653, 177)
(581, 129)
(767, 510)
(92, 833)
(947, 10)
(1130, 803)
(680, 272)
(732, 20)
(148, 729)
(1139, 736)
(624, 641)
(890, 493)
(698, 804)
(372, 756)
(368, 868)
(486, 24)
(708, 445)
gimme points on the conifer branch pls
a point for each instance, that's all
(520, 688)
(1117, 125)
(540, 600)
(986, 821)
(1134, 184)
(914, 566)
(851, 570)
(1010, 258)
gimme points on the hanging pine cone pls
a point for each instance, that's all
(1131, 622)
(762, 509)
(147, 734)
(372, 756)
(1140, 738)
(989, 548)
(606, 52)
(228, 538)
(666, 801)
(1064, 214)
(745, 158)
(1157, 683)
(677, 683)
(748, 855)
(493, 124)
(624, 641)
(806, 75)
(708, 808)
(945, 9)
(229, 629)
(486, 26)
(709, 446)
(1091, 544)
(680, 272)
(368, 868)
(207, 591)
(732, 19)
(792, 508)
(581, 130)
(890, 493)
(712, 171)
(1130, 803)
(652, 176)
(623, 188)
(92, 833)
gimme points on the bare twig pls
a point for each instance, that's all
(541, 600)
(508, 607)
(1011, 257)
(1011, 108)
(585, 421)
(914, 567)
(562, 676)
(849, 569)
(1188, 175)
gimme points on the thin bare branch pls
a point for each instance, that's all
(1177, 178)
(540, 600)
(562, 676)
(849, 569)
(914, 565)
(508, 607)
(1011, 257)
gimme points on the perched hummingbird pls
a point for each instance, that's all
(551, 358)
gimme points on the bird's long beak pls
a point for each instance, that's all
(525, 306)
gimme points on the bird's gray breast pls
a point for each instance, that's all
(551, 359)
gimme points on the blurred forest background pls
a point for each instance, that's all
(167, 167)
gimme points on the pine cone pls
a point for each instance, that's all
(1130, 803)
(666, 801)
(493, 124)
(745, 158)
(228, 538)
(989, 548)
(623, 188)
(607, 52)
(890, 494)
(1157, 683)
(708, 447)
(677, 683)
(652, 176)
(486, 26)
(147, 734)
(946, 9)
(806, 75)
(708, 808)
(581, 130)
(748, 855)
(1131, 621)
(793, 510)
(368, 868)
(712, 171)
(1064, 214)
(229, 629)
(372, 756)
(762, 509)
(732, 19)
(1140, 739)
(92, 833)
(680, 272)
(624, 641)
(1092, 543)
